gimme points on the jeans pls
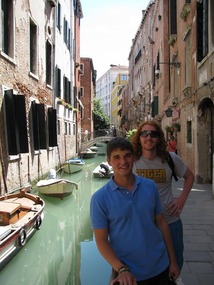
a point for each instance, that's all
(176, 230)
(160, 279)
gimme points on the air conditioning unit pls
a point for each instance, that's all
(52, 3)
(174, 101)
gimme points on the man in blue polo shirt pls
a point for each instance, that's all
(130, 230)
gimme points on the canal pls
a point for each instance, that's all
(63, 251)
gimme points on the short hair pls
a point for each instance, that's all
(118, 143)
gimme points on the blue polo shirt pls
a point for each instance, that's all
(129, 218)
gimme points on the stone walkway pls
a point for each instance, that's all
(198, 223)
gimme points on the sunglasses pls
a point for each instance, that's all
(146, 133)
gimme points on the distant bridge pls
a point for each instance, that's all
(89, 143)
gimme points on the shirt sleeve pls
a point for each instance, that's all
(97, 214)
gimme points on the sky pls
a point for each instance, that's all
(107, 29)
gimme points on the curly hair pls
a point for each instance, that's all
(161, 145)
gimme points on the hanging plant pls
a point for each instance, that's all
(68, 106)
(168, 129)
(176, 126)
(60, 101)
(130, 134)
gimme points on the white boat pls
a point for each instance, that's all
(88, 153)
(55, 187)
(73, 165)
(103, 170)
(21, 214)
(94, 148)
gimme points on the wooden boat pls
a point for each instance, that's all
(21, 214)
(88, 153)
(55, 187)
(73, 165)
(103, 170)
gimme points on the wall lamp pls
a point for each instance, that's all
(174, 64)
(168, 112)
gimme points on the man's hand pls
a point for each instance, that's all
(174, 271)
(124, 278)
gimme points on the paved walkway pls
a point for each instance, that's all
(198, 223)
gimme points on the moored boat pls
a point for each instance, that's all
(94, 148)
(73, 165)
(103, 170)
(88, 153)
(55, 187)
(21, 214)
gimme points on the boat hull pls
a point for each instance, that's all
(73, 165)
(58, 188)
(16, 230)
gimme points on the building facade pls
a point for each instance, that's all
(116, 99)
(39, 49)
(171, 77)
(105, 85)
(88, 83)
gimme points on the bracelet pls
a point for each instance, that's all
(123, 269)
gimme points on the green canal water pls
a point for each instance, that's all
(63, 251)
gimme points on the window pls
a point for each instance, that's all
(173, 17)
(81, 92)
(52, 131)
(58, 17)
(202, 29)
(7, 25)
(74, 129)
(33, 47)
(155, 106)
(69, 39)
(189, 132)
(211, 23)
(58, 127)
(16, 123)
(38, 125)
(65, 31)
(48, 62)
(188, 62)
(58, 82)
(66, 90)
(124, 77)
(81, 68)
(66, 128)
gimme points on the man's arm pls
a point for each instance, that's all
(161, 223)
(104, 247)
(177, 206)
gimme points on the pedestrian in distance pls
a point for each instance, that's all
(130, 230)
(172, 144)
(152, 160)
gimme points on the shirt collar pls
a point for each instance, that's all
(114, 186)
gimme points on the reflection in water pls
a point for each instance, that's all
(63, 252)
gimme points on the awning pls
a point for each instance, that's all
(79, 101)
